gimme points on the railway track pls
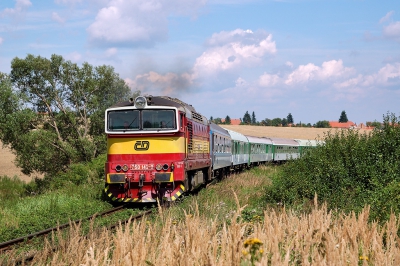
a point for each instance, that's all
(8, 245)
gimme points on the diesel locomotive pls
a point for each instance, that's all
(159, 147)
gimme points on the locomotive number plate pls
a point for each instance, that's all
(142, 166)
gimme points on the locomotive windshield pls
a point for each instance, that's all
(136, 120)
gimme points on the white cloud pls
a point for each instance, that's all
(67, 2)
(111, 52)
(20, 7)
(387, 76)
(392, 31)
(56, 17)
(137, 22)
(386, 17)
(1, 40)
(311, 72)
(74, 57)
(234, 50)
(268, 80)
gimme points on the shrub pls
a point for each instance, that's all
(350, 171)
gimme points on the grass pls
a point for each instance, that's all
(212, 230)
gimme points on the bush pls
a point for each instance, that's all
(77, 174)
(350, 171)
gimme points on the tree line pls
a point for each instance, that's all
(286, 121)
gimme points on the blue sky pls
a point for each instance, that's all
(310, 58)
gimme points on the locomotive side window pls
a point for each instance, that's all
(123, 120)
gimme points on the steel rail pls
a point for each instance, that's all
(6, 244)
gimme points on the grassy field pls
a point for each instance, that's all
(226, 224)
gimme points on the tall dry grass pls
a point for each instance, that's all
(282, 238)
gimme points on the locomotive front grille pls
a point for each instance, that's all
(163, 177)
(115, 178)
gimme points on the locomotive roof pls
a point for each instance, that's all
(167, 101)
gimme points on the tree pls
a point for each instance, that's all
(217, 120)
(290, 119)
(322, 124)
(343, 117)
(253, 118)
(276, 122)
(246, 118)
(284, 122)
(227, 120)
(70, 125)
(375, 124)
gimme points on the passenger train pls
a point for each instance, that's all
(159, 147)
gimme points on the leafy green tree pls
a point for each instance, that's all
(71, 101)
(290, 119)
(284, 122)
(227, 120)
(253, 118)
(376, 124)
(217, 120)
(246, 118)
(343, 117)
(322, 124)
(268, 121)
(276, 122)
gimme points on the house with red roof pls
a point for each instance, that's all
(348, 124)
(234, 122)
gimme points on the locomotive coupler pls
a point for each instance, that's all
(141, 193)
(141, 180)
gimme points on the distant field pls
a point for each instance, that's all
(8, 168)
(282, 132)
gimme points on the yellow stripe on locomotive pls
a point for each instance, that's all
(149, 145)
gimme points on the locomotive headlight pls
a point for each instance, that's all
(125, 168)
(140, 102)
(118, 168)
(165, 167)
(158, 167)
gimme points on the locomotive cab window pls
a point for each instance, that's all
(123, 120)
(158, 119)
(135, 120)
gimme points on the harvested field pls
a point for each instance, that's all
(283, 132)
(7, 166)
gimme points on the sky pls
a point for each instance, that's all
(310, 58)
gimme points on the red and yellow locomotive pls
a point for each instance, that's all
(158, 147)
